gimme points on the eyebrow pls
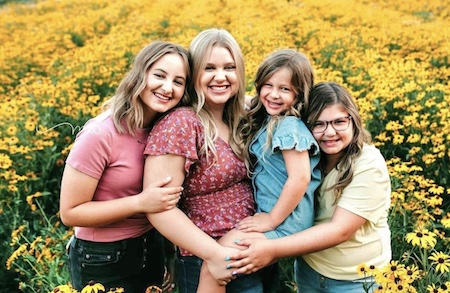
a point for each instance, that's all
(162, 70)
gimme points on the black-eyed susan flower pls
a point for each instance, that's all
(362, 269)
(432, 288)
(412, 273)
(422, 238)
(441, 260)
(93, 287)
(394, 269)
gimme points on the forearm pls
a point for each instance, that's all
(180, 230)
(100, 213)
(291, 194)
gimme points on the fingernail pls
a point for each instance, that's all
(229, 267)
(168, 178)
(227, 258)
(234, 273)
(237, 241)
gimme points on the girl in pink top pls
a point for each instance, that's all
(101, 188)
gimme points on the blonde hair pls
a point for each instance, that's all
(302, 80)
(326, 94)
(126, 104)
(200, 47)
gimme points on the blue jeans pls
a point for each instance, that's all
(309, 281)
(188, 275)
(133, 264)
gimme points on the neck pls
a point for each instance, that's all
(330, 162)
(149, 118)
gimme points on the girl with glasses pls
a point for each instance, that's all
(350, 225)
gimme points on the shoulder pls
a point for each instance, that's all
(291, 124)
(180, 114)
(181, 121)
(291, 132)
(370, 155)
(371, 163)
(99, 126)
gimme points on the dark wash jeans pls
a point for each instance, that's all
(188, 275)
(133, 264)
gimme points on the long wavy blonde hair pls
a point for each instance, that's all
(200, 47)
(126, 104)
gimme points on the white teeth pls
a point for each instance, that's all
(162, 97)
(218, 88)
(273, 104)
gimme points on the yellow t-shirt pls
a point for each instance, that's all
(368, 196)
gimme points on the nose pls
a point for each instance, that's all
(167, 86)
(220, 75)
(274, 94)
(330, 131)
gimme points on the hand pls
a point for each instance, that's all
(259, 254)
(260, 222)
(218, 265)
(156, 198)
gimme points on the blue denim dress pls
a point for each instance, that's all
(270, 172)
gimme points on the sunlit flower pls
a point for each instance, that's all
(12, 130)
(5, 161)
(64, 289)
(412, 272)
(437, 189)
(432, 288)
(362, 269)
(441, 260)
(93, 287)
(422, 238)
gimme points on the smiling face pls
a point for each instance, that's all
(165, 84)
(277, 93)
(332, 142)
(219, 81)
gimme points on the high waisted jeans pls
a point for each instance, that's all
(188, 275)
(133, 264)
(310, 281)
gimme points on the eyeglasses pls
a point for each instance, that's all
(339, 124)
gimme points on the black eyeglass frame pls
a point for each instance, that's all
(331, 122)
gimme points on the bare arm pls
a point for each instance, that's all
(299, 175)
(261, 252)
(78, 209)
(175, 225)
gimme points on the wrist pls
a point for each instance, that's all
(274, 222)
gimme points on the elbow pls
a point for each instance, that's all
(66, 219)
(343, 235)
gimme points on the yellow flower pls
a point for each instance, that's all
(422, 238)
(412, 273)
(93, 287)
(437, 189)
(441, 260)
(12, 129)
(64, 289)
(5, 161)
(362, 269)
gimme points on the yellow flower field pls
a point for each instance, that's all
(60, 59)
